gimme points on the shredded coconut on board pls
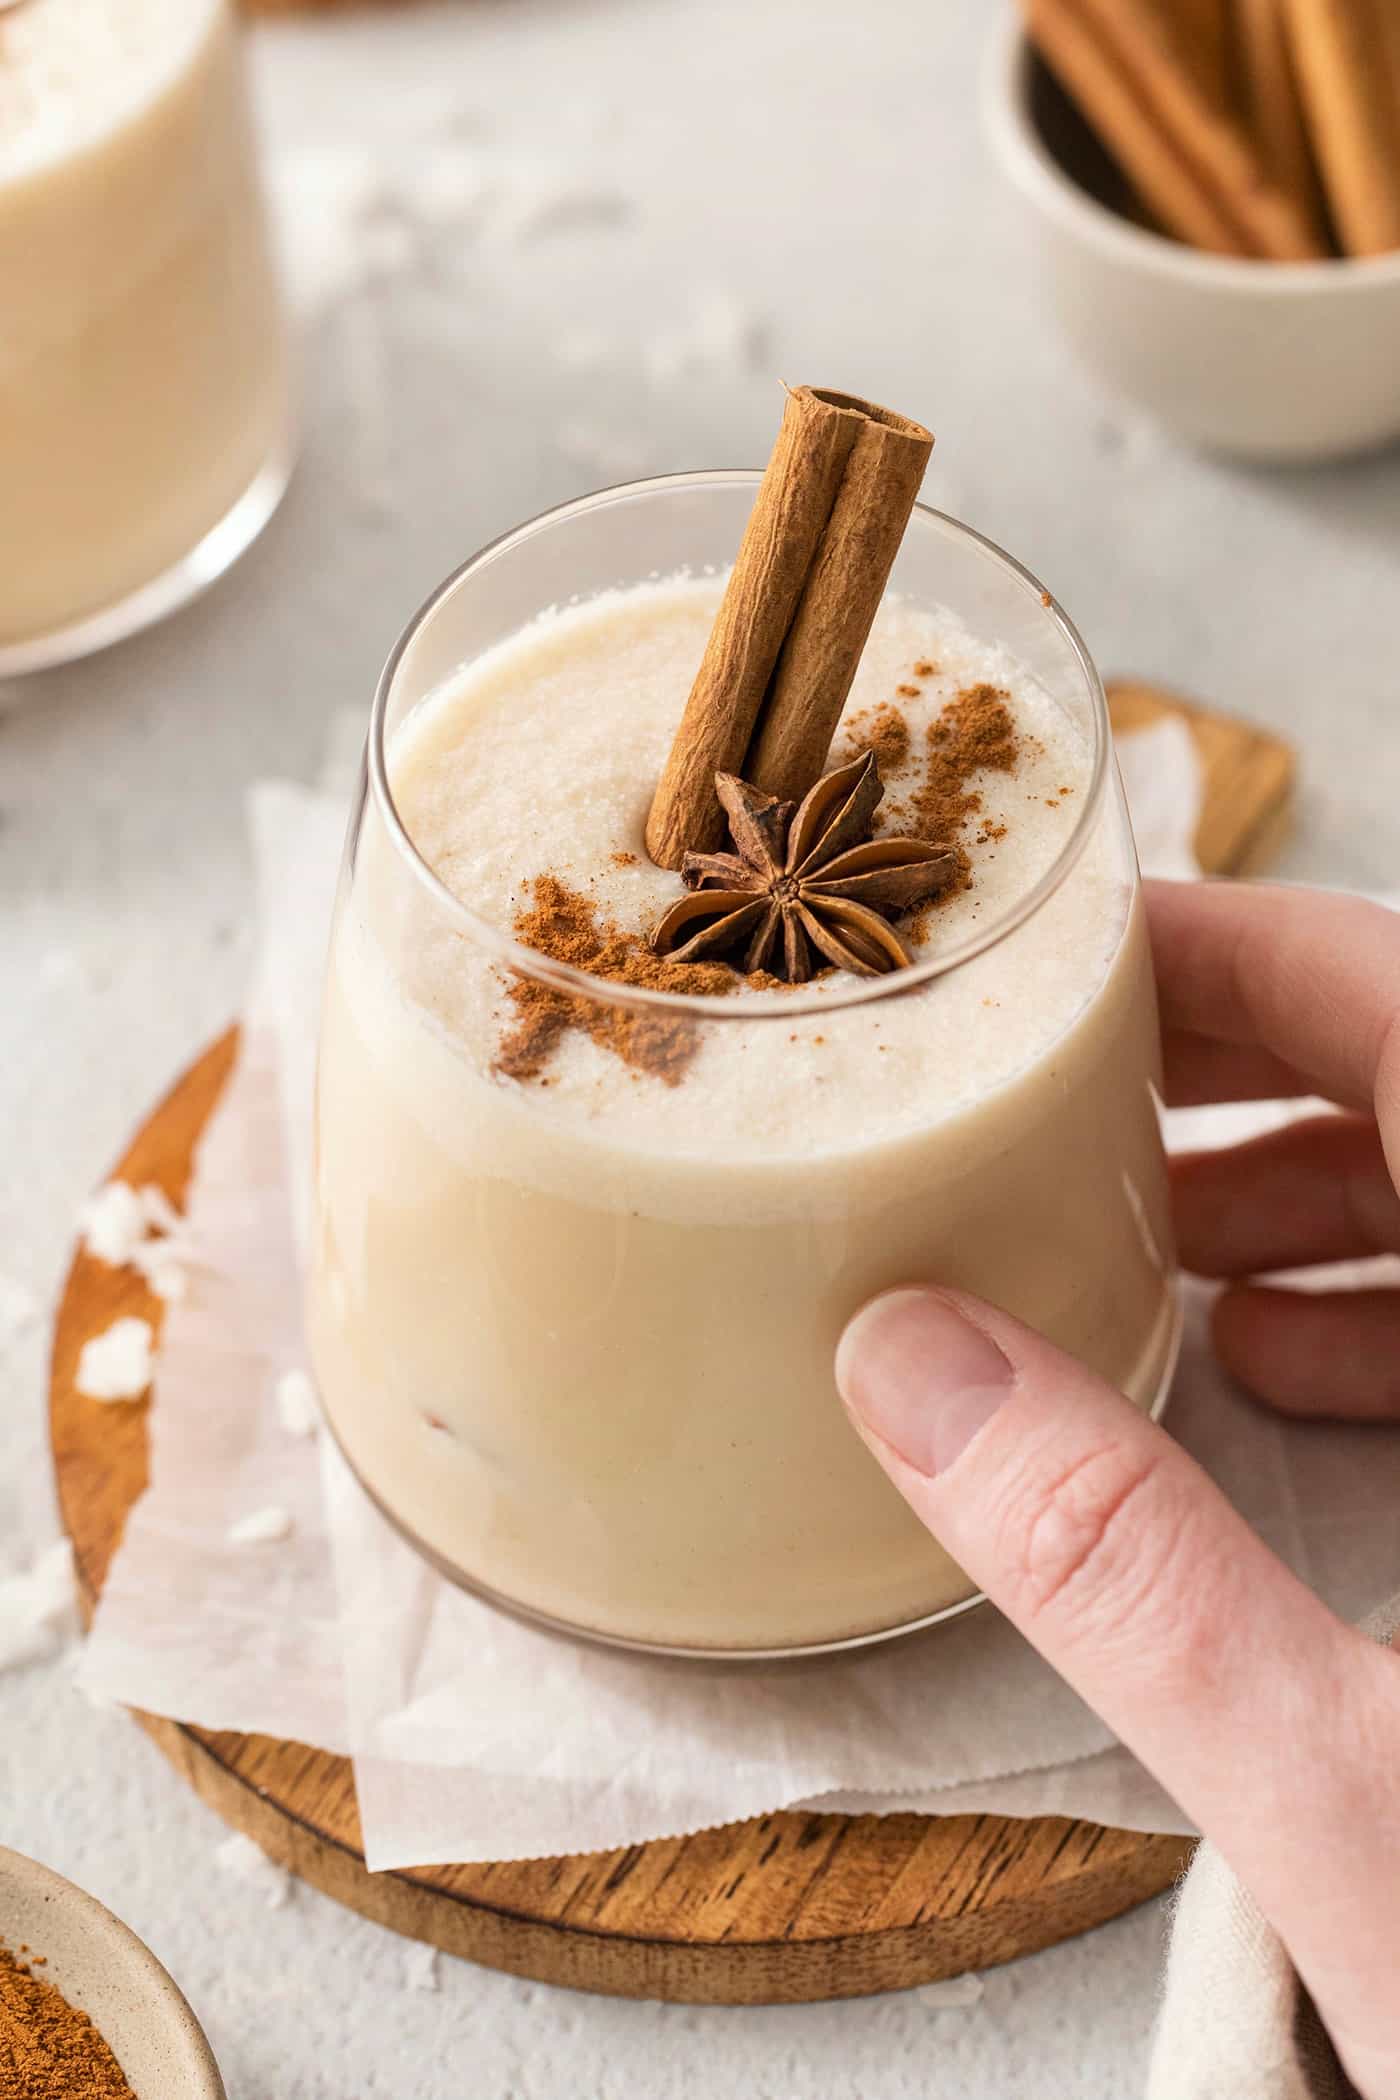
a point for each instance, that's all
(297, 1411)
(37, 1607)
(116, 1365)
(262, 1527)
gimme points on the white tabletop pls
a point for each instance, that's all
(541, 245)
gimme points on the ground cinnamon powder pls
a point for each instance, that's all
(882, 730)
(563, 924)
(48, 2049)
(975, 733)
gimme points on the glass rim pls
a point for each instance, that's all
(810, 999)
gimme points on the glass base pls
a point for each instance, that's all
(797, 1653)
(206, 561)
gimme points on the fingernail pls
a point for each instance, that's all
(921, 1376)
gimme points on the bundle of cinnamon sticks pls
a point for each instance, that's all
(1266, 128)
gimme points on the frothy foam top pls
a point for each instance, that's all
(72, 70)
(544, 755)
(541, 757)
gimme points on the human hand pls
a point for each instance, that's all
(1276, 1726)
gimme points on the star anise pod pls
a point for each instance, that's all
(803, 890)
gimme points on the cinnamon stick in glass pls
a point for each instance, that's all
(811, 569)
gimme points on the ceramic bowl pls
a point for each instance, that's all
(101, 1967)
(1264, 360)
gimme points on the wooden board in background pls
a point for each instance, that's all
(781, 1908)
(1248, 775)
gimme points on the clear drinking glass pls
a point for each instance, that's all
(145, 425)
(584, 1360)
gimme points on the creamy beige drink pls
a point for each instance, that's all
(574, 1319)
(143, 386)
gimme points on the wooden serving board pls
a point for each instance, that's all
(781, 1908)
(1247, 775)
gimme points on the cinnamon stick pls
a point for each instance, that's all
(794, 502)
(818, 547)
(1191, 162)
(1203, 28)
(1390, 37)
(838, 607)
(1343, 54)
(1273, 105)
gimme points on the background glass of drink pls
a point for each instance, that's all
(144, 396)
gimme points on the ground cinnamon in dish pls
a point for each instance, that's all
(562, 924)
(48, 2049)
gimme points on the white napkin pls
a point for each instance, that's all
(476, 1737)
(191, 1624)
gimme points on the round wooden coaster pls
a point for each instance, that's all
(784, 1907)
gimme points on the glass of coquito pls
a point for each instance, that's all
(608, 1151)
(144, 400)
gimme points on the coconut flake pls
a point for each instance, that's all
(297, 1411)
(541, 203)
(19, 1308)
(161, 1214)
(715, 332)
(157, 1262)
(117, 1225)
(952, 1993)
(262, 1527)
(114, 1224)
(116, 1365)
(318, 196)
(247, 1862)
(420, 1967)
(37, 1607)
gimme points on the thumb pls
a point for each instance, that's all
(1121, 1561)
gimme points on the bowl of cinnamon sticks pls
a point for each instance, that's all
(1215, 190)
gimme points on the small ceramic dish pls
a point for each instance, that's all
(1265, 360)
(100, 1966)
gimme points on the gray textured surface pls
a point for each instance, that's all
(627, 309)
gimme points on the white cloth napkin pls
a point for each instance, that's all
(1235, 2019)
(476, 1737)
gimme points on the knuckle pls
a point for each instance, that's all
(1090, 1539)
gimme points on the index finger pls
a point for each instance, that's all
(1308, 977)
